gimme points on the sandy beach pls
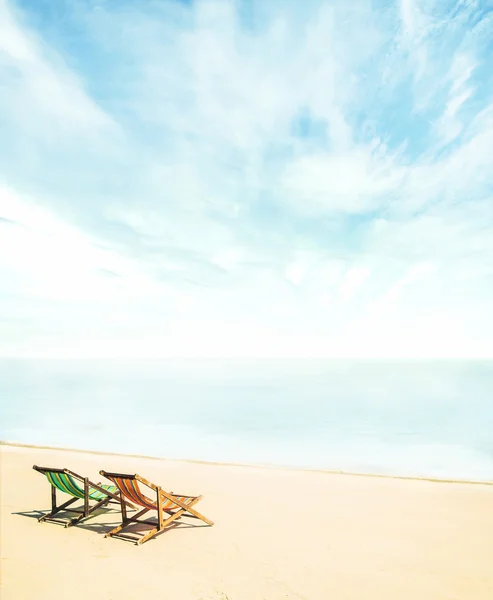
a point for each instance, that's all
(278, 533)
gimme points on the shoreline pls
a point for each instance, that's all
(250, 466)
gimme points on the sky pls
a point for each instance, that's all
(246, 178)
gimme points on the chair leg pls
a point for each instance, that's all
(86, 497)
(173, 517)
(161, 526)
(56, 509)
(89, 512)
(197, 515)
(123, 508)
(125, 522)
(187, 507)
(147, 536)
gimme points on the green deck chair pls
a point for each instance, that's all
(67, 482)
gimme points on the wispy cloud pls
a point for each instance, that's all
(246, 178)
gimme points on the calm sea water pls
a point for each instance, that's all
(430, 418)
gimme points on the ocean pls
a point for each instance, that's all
(405, 418)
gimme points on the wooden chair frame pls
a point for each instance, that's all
(87, 509)
(181, 508)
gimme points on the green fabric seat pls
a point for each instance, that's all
(67, 484)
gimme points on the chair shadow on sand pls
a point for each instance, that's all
(101, 528)
(138, 529)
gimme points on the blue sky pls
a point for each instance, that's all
(246, 178)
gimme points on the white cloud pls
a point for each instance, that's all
(352, 183)
(295, 272)
(44, 257)
(449, 126)
(353, 279)
(314, 182)
(414, 274)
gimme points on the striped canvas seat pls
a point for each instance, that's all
(67, 484)
(131, 490)
(172, 505)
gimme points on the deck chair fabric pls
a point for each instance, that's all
(67, 482)
(173, 505)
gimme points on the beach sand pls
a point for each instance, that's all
(278, 534)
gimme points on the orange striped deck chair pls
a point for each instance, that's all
(78, 488)
(174, 506)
